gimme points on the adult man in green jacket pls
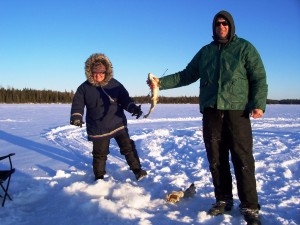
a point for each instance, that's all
(232, 88)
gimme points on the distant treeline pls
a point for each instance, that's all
(169, 100)
(26, 95)
(195, 100)
(284, 101)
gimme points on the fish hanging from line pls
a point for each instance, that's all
(154, 92)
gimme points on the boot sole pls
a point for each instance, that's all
(220, 212)
(141, 177)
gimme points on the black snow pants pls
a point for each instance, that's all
(227, 131)
(127, 148)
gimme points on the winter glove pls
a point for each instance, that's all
(76, 122)
(175, 196)
(137, 111)
(190, 192)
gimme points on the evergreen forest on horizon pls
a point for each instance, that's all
(27, 95)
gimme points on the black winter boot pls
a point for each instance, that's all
(139, 174)
(220, 207)
(251, 216)
(99, 177)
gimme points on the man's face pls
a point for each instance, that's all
(99, 73)
(222, 28)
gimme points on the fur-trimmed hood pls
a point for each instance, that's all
(96, 58)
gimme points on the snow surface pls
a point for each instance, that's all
(53, 183)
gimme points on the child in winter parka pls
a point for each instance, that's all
(105, 100)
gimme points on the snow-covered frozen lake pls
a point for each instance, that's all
(53, 183)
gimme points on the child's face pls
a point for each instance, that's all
(99, 73)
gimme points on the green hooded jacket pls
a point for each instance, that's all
(232, 75)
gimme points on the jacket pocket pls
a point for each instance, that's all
(239, 90)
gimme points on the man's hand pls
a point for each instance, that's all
(257, 113)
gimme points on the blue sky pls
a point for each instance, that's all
(44, 44)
